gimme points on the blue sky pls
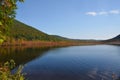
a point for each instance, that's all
(78, 19)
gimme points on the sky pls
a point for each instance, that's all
(77, 19)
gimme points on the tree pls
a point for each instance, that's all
(7, 15)
(5, 71)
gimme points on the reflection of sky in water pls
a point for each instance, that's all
(75, 63)
(98, 62)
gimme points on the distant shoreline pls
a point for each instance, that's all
(48, 43)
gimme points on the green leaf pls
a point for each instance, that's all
(21, 78)
(1, 41)
(0, 23)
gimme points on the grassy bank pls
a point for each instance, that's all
(49, 43)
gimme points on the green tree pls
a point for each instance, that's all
(5, 71)
(7, 15)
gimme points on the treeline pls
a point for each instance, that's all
(21, 31)
(22, 34)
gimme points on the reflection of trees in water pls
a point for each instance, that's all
(21, 55)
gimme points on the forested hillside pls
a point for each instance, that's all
(22, 31)
(115, 40)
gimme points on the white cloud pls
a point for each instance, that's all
(103, 13)
(115, 12)
(94, 13)
(91, 13)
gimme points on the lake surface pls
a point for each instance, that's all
(97, 62)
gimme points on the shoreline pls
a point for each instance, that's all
(47, 43)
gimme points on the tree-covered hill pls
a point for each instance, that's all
(20, 30)
(115, 40)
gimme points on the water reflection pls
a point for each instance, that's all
(100, 62)
(95, 74)
(21, 55)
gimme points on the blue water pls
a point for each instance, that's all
(95, 62)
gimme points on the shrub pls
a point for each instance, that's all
(5, 71)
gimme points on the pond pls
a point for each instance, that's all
(96, 62)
